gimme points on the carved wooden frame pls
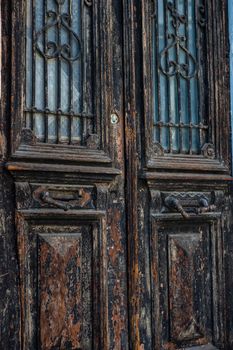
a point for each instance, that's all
(28, 219)
(162, 222)
(23, 142)
(213, 158)
(65, 207)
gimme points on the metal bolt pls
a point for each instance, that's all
(114, 118)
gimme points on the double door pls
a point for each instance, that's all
(116, 206)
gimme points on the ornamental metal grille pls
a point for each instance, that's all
(59, 70)
(178, 68)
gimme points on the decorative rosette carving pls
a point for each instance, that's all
(208, 151)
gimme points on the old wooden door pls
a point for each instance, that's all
(115, 172)
(63, 93)
(178, 176)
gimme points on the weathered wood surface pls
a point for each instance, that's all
(92, 256)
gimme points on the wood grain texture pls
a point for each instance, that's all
(183, 274)
(61, 291)
(118, 269)
(188, 278)
(65, 296)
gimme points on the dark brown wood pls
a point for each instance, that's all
(65, 260)
(131, 169)
(186, 176)
(115, 244)
(70, 209)
(184, 276)
(9, 304)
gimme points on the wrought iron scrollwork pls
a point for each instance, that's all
(202, 19)
(154, 8)
(58, 49)
(177, 18)
(176, 42)
(88, 2)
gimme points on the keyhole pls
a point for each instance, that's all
(114, 118)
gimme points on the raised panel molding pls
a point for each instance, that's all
(61, 230)
(185, 267)
(65, 290)
(66, 197)
(186, 272)
(55, 196)
(62, 277)
(187, 204)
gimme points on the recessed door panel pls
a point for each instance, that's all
(60, 286)
(65, 290)
(189, 286)
(183, 272)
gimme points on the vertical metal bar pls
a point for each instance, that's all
(157, 66)
(26, 105)
(94, 20)
(188, 81)
(33, 64)
(199, 84)
(71, 81)
(45, 76)
(180, 140)
(167, 78)
(154, 104)
(230, 24)
(88, 69)
(59, 77)
(82, 87)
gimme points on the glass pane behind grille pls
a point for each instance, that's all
(59, 70)
(178, 76)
